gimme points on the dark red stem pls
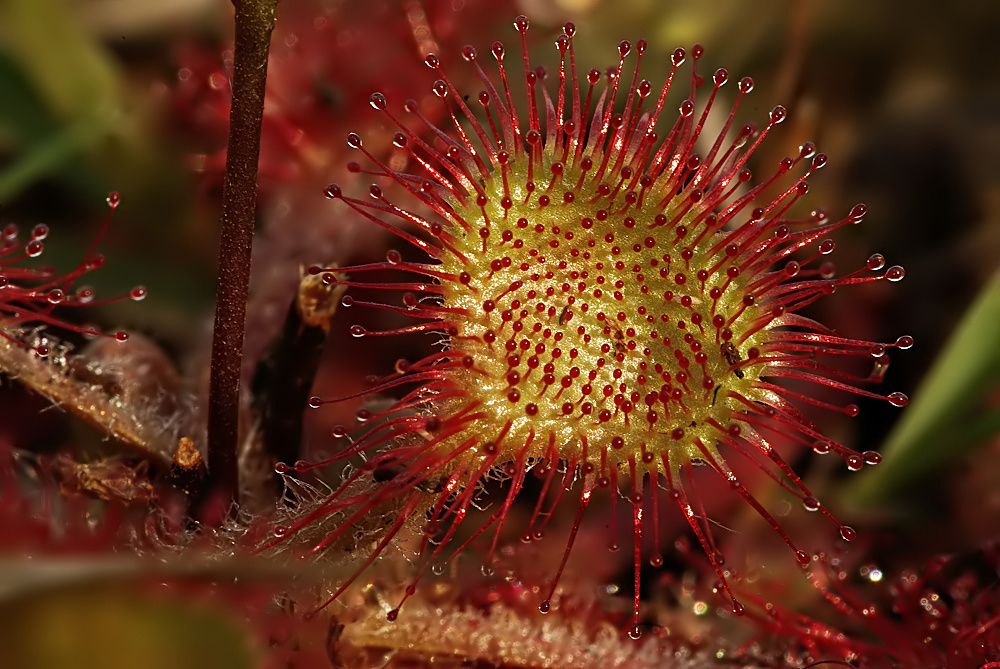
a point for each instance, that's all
(254, 23)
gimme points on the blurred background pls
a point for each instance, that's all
(904, 97)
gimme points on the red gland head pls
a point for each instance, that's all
(616, 304)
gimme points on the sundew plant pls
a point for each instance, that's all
(616, 307)
(539, 340)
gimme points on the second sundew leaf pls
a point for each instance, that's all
(937, 428)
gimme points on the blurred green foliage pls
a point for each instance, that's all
(62, 95)
(108, 626)
(950, 413)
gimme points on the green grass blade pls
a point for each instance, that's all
(940, 423)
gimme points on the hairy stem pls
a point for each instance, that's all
(254, 23)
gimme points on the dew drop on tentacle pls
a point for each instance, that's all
(898, 399)
(95, 262)
(895, 273)
(871, 457)
(34, 248)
